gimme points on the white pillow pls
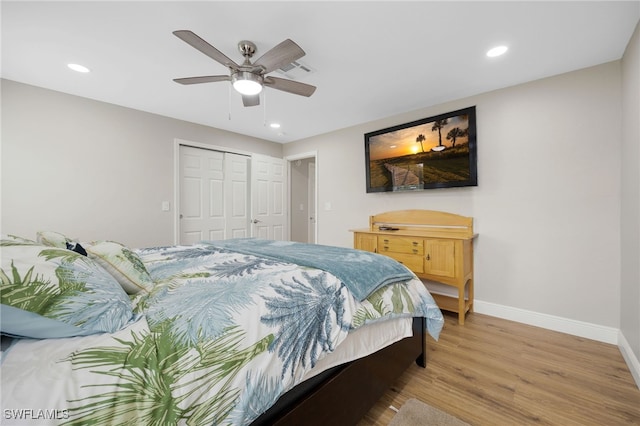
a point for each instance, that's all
(123, 264)
(53, 239)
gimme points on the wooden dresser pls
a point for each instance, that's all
(436, 246)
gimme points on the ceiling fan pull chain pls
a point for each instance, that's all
(229, 103)
(264, 109)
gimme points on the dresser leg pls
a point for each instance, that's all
(461, 305)
(471, 295)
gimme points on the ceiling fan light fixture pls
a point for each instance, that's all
(247, 83)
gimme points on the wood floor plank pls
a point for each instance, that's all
(492, 371)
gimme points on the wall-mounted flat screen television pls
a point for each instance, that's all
(434, 152)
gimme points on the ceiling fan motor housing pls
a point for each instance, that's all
(247, 48)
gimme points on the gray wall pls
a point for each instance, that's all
(630, 227)
(547, 208)
(93, 170)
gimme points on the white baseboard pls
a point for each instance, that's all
(550, 322)
(565, 325)
(630, 358)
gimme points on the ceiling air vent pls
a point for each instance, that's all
(296, 70)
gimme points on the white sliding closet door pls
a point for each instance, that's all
(268, 197)
(237, 196)
(213, 195)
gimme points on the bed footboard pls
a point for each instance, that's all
(344, 394)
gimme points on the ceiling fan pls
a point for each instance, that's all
(249, 78)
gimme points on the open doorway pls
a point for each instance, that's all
(303, 224)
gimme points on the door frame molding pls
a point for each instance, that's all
(176, 175)
(289, 159)
(313, 238)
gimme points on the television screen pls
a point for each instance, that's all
(434, 152)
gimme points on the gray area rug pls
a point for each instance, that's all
(414, 412)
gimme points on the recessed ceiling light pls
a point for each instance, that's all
(497, 51)
(275, 125)
(77, 67)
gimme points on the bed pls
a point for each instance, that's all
(239, 332)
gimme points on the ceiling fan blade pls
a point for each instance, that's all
(250, 100)
(281, 55)
(204, 79)
(198, 43)
(290, 86)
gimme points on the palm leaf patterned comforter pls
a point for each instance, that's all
(220, 337)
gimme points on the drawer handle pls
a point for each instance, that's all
(386, 248)
(428, 258)
(386, 241)
(415, 250)
(415, 243)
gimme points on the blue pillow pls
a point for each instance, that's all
(49, 292)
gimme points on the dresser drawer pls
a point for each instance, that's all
(400, 245)
(411, 261)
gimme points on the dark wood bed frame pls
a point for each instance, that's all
(342, 395)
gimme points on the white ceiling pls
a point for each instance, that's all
(371, 59)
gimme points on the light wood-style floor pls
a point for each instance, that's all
(492, 371)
